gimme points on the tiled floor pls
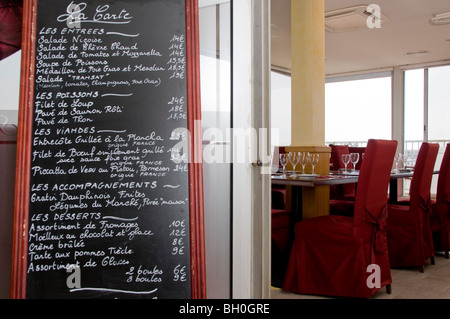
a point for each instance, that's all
(434, 283)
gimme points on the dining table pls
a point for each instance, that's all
(300, 181)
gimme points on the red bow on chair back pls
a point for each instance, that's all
(379, 241)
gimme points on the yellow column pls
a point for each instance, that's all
(308, 72)
(308, 94)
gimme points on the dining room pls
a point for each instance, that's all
(382, 69)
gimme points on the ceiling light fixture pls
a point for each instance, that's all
(440, 19)
(418, 53)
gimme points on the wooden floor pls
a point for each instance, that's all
(434, 283)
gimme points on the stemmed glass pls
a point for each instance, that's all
(294, 158)
(354, 158)
(346, 160)
(398, 159)
(283, 162)
(314, 160)
(405, 159)
(304, 158)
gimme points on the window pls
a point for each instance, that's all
(281, 109)
(426, 113)
(438, 104)
(358, 109)
(414, 111)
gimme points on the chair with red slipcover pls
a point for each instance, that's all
(441, 208)
(334, 255)
(346, 191)
(410, 239)
(281, 244)
(342, 197)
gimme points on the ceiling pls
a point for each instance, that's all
(408, 30)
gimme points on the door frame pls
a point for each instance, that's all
(251, 181)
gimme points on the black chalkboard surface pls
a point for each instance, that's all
(108, 212)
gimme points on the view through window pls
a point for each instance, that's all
(358, 110)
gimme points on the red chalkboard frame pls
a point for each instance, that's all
(22, 189)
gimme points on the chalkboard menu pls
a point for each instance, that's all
(107, 148)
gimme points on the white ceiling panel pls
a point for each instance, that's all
(408, 30)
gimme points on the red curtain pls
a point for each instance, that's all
(10, 27)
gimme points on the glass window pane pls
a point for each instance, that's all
(414, 117)
(414, 110)
(281, 109)
(358, 110)
(438, 104)
(438, 113)
(215, 69)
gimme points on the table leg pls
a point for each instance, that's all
(393, 191)
(297, 203)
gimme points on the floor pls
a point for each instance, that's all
(433, 283)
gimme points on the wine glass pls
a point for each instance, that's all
(345, 160)
(294, 158)
(314, 160)
(283, 162)
(398, 158)
(354, 158)
(405, 159)
(304, 158)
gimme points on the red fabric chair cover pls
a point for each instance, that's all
(336, 155)
(342, 197)
(346, 191)
(441, 208)
(281, 220)
(281, 244)
(410, 239)
(331, 254)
